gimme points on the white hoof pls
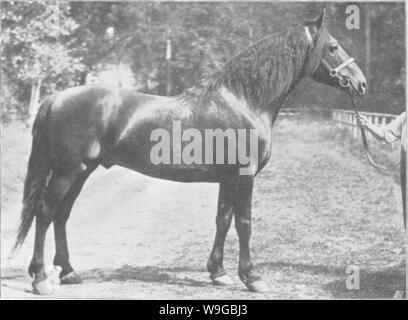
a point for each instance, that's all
(43, 287)
(259, 286)
(71, 278)
(223, 280)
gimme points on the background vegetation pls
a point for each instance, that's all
(37, 60)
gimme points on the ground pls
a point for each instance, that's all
(317, 209)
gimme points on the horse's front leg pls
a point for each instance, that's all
(223, 221)
(242, 212)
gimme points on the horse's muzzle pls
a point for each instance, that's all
(360, 88)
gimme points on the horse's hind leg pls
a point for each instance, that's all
(36, 269)
(58, 186)
(52, 197)
(67, 274)
(223, 223)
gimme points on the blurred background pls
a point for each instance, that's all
(165, 47)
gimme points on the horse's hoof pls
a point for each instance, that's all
(71, 278)
(223, 280)
(259, 286)
(43, 287)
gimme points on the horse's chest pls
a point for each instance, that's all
(264, 151)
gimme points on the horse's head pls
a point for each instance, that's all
(330, 63)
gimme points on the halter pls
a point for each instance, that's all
(335, 73)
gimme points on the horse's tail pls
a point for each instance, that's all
(38, 173)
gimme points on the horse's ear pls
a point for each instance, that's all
(319, 20)
(314, 25)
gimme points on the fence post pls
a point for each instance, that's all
(355, 127)
(383, 122)
(347, 119)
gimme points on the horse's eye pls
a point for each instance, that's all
(333, 49)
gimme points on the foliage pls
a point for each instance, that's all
(32, 50)
(203, 36)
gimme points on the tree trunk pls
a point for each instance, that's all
(34, 99)
(146, 82)
(251, 29)
(169, 80)
(82, 79)
(367, 31)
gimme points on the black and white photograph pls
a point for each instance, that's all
(203, 150)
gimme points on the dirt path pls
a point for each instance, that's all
(317, 209)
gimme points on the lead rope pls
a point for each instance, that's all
(366, 150)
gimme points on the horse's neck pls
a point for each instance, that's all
(274, 108)
(274, 102)
(266, 84)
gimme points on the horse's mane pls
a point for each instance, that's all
(266, 70)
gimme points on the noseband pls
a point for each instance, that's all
(335, 72)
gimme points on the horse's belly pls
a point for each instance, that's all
(179, 172)
(194, 160)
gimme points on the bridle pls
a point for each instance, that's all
(335, 72)
(345, 83)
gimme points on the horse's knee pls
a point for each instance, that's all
(224, 222)
(242, 223)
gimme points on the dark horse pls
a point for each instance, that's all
(80, 128)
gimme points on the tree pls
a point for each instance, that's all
(203, 37)
(34, 55)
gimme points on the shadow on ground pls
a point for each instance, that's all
(302, 268)
(150, 274)
(385, 283)
(382, 284)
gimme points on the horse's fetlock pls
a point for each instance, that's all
(211, 266)
(35, 269)
(64, 264)
(245, 267)
(225, 221)
(65, 270)
(248, 275)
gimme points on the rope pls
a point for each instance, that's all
(366, 151)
